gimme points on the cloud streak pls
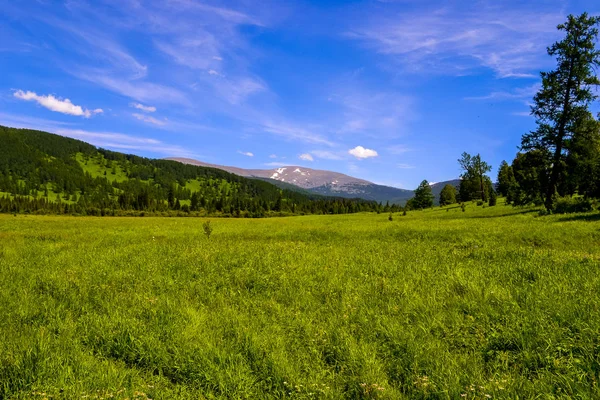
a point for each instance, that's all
(509, 41)
(148, 119)
(63, 106)
(149, 109)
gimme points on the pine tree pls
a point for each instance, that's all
(423, 196)
(566, 94)
(506, 179)
(474, 170)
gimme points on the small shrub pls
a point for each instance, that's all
(404, 213)
(566, 205)
(463, 207)
(493, 199)
(479, 203)
(391, 217)
(207, 229)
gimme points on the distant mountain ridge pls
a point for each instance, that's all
(327, 183)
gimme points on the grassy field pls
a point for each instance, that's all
(489, 303)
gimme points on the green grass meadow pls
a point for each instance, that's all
(441, 304)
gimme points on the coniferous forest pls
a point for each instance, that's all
(44, 173)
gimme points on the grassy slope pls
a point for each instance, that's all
(436, 304)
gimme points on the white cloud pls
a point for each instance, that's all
(246, 153)
(149, 119)
(63, 106)
(405, 166)
(213, 72)
(143, 107)
(306, 157)
(361, 152)
(273, 156)
(275, 164)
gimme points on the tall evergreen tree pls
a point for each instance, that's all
(423, 196)
(566, 94)
(474, 170)
(506, 179)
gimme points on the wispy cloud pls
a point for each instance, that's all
(306, 157)
(398, 149)
(63, 106)
(295, 133)
(246, 153)
(125, 142)
(365, 110)
(361, 152)
(111, 140)
(510, 41)
(328, 155)
(141, 91)
(148, 119)
(275, 164)
(144, 108)
(516, 94)
(405, 166)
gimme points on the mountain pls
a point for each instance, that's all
(42, 172)
(326, 183)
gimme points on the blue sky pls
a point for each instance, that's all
(389, 91)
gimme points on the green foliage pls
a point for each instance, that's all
(448, 195)
(506, 179)
(474, 183)
(561, 107)
(207, 228)
(493, 302)
(493, 198)
(531, 176)
(423, 196)
(575, 204)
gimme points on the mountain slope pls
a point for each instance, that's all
(44, 172)
(326, 183)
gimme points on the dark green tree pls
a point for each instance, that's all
(506, 179)
(448, 195)
(473, 175)
(423, 196)
(563, 101)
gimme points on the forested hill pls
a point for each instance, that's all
(42, 172)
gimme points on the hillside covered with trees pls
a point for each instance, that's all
(42, 172)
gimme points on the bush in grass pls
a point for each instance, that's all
(207, 229)
(567, 204)
(493, 198)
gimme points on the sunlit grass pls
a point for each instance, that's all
(437, 304)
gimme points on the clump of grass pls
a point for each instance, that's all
(207, 228)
